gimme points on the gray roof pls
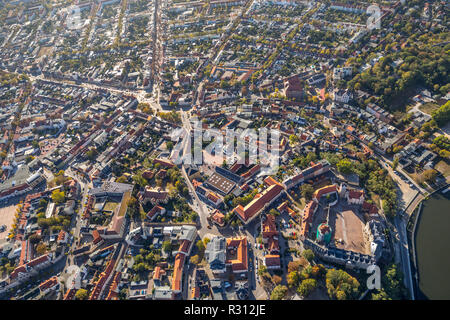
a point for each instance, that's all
(215, 252)
(112, 187)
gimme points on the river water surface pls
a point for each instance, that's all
(433, 247)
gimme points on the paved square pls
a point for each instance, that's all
(7, 218)
(348, 226)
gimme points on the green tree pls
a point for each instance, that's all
(167, 246)
(195, 259)
(279, 293)
(306, 287)
(293, 139)
(200, 246)
(395, 163)
(344, 166)
(81, 294)
(442, 115)
(293, 278)
(341, 285)
(308, 254)
(307, 191)
(92, 154)
(430, 175)
(58, 196)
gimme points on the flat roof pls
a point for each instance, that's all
(221, 183)
(20, 177)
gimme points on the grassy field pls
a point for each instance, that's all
(110, 206)
(429, 107)
(444, 168)
(124, 206)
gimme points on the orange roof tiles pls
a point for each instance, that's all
(355, 194)
(95, 294)
(272, 260)
(184, 246)
(271, 181)
(158, 273)
(70, 294)
(308, 212)
(240, 263)
(195, 293)
(218, 217)
(113, 293)
(282, 206)
(323, 191)
(251, 171)
(259, 202)
(48, 283)
(154, 211)
(178, 272)
(97, 237)
(269, 228)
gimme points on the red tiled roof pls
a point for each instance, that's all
(95, 294)
(195, 292)
(48, 283)
(97, 237)
(158, 273)
(355, 194)
(213, 197)
(154, 211)
(259, 202)
(371, 208)
(240, 263)
(308, 212)
(62, 235)
(251, 172)
(184, 246)
(235, 167)
(70, 294)
(38, 261)
(272, 260)
(178, 272)
(16, 271)
(282, 206)
(154, 194)
(218, 217)
(269, 228)
(113, 293)
(270, 181)
(325, 190)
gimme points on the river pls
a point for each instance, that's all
(433, 248)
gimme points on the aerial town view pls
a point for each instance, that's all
(224, 150)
